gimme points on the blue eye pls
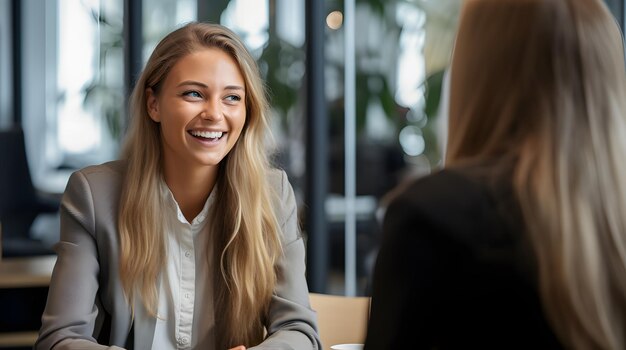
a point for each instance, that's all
(233, 98)
(192, 93)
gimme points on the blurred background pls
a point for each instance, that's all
(355, 87)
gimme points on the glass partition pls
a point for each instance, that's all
(402, 48)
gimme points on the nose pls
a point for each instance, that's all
(211, 111)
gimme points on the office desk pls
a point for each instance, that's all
(18, 275)
(26, 272)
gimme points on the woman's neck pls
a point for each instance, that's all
(191, 186)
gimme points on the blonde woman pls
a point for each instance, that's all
(191, 241)
(521, 242)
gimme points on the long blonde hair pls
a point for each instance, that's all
(245, 237)
(540, 85)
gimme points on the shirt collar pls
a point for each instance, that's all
(170, 203)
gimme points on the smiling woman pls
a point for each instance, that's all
(190, 241)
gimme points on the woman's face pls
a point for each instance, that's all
(201, 108)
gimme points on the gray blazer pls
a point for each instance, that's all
(86, 304)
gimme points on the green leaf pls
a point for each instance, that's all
(434, 84)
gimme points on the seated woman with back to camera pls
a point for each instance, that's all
(520, 242)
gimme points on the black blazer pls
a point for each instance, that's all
(455, 271)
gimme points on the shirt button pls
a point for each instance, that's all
(187, 254)
(183, 340)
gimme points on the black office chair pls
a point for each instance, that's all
(20, 202)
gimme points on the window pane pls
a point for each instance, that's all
(161, 17)
(90, 81)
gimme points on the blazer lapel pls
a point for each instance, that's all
(143, 327)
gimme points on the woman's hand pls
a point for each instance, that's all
(240, 347)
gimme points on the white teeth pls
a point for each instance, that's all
(207, 134)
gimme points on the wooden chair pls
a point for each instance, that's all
(341, 319)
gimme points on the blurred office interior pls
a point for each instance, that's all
(355, 87)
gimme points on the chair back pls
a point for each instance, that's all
(16, 188)
(341, 319)
(20, 202)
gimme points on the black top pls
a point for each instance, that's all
(455, 270)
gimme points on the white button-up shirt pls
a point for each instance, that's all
(185, 311)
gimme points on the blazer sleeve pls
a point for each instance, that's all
(69, 318)
(292, 324)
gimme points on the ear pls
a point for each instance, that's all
(152, 105)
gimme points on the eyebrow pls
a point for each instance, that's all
(203, 85)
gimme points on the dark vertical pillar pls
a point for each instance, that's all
(619, 11)
(316, 148)
(211, 10)
(16, 57)
(133, 42)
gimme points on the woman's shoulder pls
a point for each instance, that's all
(115, 168)
(92, 196)
(285, 205)
(444, 187)
(106, 177)
(459, 200)
(278, 181)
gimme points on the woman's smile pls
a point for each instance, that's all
(208, 138)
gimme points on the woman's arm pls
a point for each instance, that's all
(291, 322)
(404, 283)
(69, 318)
(419, 264)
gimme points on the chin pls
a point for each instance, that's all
(211, 162)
